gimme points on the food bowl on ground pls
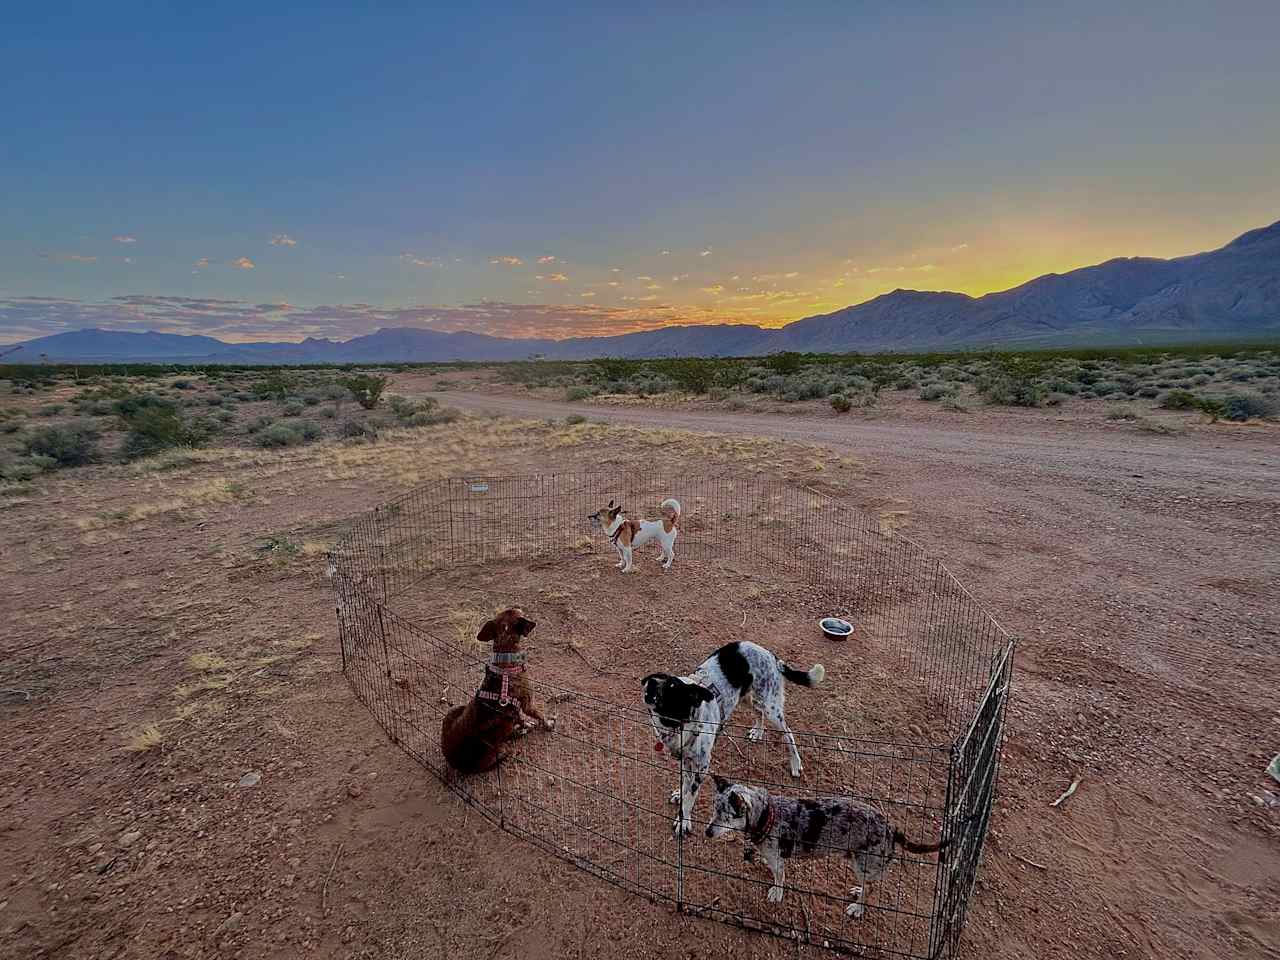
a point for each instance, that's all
(835, 628)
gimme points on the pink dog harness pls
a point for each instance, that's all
(506, 673)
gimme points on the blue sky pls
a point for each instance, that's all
(326, 170)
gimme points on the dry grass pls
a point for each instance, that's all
(144, 740)
(206, 661)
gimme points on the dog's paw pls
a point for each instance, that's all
(775, 894)
(682, 826)
(755, 734)
(855, 909)
(549, 723)
(797, 767)
(675, 797)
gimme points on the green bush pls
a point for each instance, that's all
(19, 471)
(1180, 400)
(274, 386)
(310, 430)
(936, 391)
(363, 429)
(1121, 411)
(430, 418)
(278, 435)
(840, 403)
(66, 446)
(367, 388)
(153, 429)
(50, 410)
(292, 408)
(575, 418)
(577, 393)
(1249, 405)
(183, 385)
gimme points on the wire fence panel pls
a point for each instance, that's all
(594, 792)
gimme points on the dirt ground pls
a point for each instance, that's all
(264, 812)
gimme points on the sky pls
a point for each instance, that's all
(565, 170)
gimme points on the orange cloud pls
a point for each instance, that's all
(507, 261)
(244, 263)
(553, 277)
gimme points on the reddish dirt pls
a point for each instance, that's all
(1138, 571)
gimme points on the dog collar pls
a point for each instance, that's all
(516, 656)
(506, 673)
(761, 830)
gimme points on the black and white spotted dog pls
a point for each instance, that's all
(781, 828)
(687, 712)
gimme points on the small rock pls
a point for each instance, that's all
(354, 789)
(231, 923)
(94, 848)
(251, 779)
(128, 839)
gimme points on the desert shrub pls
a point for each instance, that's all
(67, 446)
(20, 471)
(276, 385)
(328, 413)
(50, 410)
(840, 403)
(292, 408)
(310, 430)
(1250, 405)
(577, 393)
(1148, 392)
(367, 388)
(258, 424)
(183, 385)
(430, 418)
(575, 418)
(1161, 425)
(358, 429)
(784, 363)
(153, 429)
(224, 416)
(717, 394)
(214, 400)
(1121, 411)
(278, 435)
(1200, 379)
(737, 404)
(953, 401)
(16, 489)
(1011, 391)
(1105, 388)
(132, 404)
(1180, 400)
(936, 391)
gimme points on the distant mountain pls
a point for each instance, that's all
(1228, 294)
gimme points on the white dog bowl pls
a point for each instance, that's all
(835, 628)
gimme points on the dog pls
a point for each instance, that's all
(627, 534)
(782, 828)
(473, 735)
(687, 712)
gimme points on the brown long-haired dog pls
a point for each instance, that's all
(472, 735)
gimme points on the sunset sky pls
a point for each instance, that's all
(559, 171)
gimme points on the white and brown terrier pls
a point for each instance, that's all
(627, 534)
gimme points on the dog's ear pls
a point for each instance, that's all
(613, 513)
(524, 626)
(736, 803)
(720, 782)
(488, 632)
(610, 507)
(703, 695)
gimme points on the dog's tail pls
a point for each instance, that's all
(810, 679)
(900, 839)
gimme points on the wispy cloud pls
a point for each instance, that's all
(507, 262)
(648, 299)
(644, 279)
(553, 277)
(664, 253)
(705, 253)
(69, 257)
(589, 293)
(417, 261)
(546, 260)
(202, 263)
(922, 268)
(283, 240)
(128, 259)
(125, 238)
(243, 263)
(959, 246)
(715, 289)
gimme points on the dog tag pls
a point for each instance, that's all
(479, 488)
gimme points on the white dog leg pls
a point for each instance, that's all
(779, 723)
(776, 865)
(626, 560)
(855, 909)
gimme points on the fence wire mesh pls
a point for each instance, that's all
(595, 793)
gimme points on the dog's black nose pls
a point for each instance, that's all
(709, 834)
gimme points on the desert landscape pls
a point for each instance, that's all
(187, 772)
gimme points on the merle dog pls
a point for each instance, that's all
(688, 712)
(781, 828)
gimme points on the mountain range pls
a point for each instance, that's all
(1228, 294)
